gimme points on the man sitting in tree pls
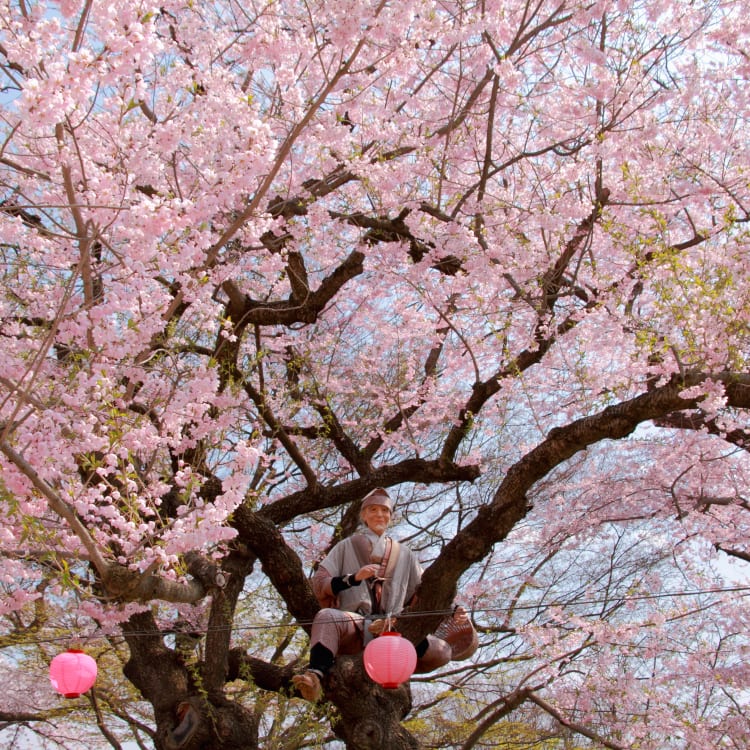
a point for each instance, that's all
(363, 579)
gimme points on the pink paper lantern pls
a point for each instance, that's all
(390, 659)
(72, 673)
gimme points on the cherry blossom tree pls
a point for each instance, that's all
(262, 257)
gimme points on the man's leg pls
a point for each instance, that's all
(333, 632)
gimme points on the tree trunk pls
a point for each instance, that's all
(187, 716)
(369, 715)
(202, 723)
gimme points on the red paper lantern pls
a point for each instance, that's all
(390, 659)
(72, 673)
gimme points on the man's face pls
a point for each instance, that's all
(376, 518)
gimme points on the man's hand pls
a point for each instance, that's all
(460, 616)
(377, 627)
(365, 572)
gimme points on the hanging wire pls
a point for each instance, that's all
(401, 616)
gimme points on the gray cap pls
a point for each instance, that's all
(378, 496)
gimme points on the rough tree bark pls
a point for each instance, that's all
(187, 716)
(369, 716)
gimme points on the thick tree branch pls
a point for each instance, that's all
(152, 664)
(18, 717)
(411, 470)
(221, 616)
(509, 505)
(294, 310)
(265, 675)
(280, 562)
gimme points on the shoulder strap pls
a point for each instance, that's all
(385, 573)
(390, 559)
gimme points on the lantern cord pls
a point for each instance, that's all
(198, 632)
